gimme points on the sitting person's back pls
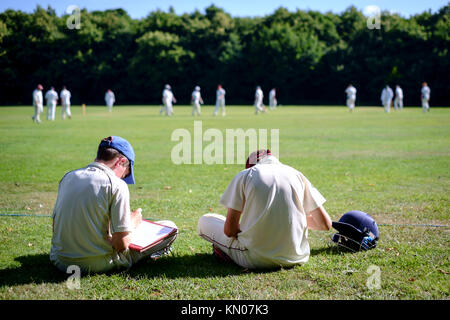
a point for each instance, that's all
(89, 201)
(270, 206)
(92, 220)
(274, 212)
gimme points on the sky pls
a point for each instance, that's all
(237, 8)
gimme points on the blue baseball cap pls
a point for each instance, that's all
(125, 148)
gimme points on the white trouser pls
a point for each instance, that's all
(220, 103)
(258, 107)
(169, 109)
(210, 227)
(425, 105)
(398, 103)
(117, 260)
(51, 109)
(273, 104)
(65, 110)
(196, 108)
(37, 113)
(163, 109)
(387, 105)
(351, 103)
(110, 105)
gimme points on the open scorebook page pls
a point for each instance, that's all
(147, 234)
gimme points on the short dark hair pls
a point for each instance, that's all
(255, 156)
(107, 154)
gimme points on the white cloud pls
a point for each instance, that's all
(371, 10)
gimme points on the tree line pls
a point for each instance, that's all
(308, 56)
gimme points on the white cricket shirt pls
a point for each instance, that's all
(386, 95)
(110, 97)
(272, 94)
(37, 97)
(92, 203)
(196, 96)
(351, 93)
(274, 199)
(259, 95)
(426, 92)
(220, 94)
(65, 96)
(399, 93)
(167, 97)
(51, 96)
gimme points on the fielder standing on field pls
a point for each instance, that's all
(167, 100)
(386, 98)
(52, 98)
(65, 103)
(398, 101)
(425, 97)
(92, 220)
(196, 100)
(110, 99)
(220, 100)
(351, 97)
(259, 95)
(38, 103)
(272, 99)
(270, 207)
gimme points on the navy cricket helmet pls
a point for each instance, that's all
(356, 231)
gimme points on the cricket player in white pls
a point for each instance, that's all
(167, 100)
(259, 95)
(220, 100)
(398, 100)
(351, 97)
(272, 99)
(38, 103)
(110, 99)
(386, 98)
(196, 100)
(92, 219)
(270, 207)
(65, 103)
(425, 96)
(52, 98)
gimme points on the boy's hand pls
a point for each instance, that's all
(136, 217)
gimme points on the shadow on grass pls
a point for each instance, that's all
(200, 265)
(37, 269)
(34, 269)
(329, 250)
(203, 265)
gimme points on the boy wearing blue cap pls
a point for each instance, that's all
(92, 220)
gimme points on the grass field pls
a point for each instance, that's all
(393, 166)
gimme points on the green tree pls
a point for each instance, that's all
(309, 56)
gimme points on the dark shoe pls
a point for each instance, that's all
(158, 254)
(221, 255)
